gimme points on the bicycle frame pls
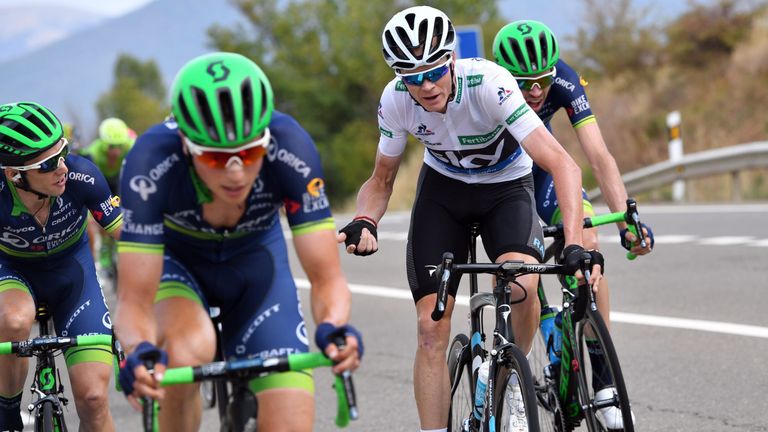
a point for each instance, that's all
(46, 383)
(576, 300)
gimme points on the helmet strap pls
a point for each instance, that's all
(23, 184)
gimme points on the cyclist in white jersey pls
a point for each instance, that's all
(479, 137)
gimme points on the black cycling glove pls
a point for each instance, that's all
(354, 230)
(573, 255)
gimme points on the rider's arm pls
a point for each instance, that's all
(374, 194)
(319, 258)
(604, 167)
(138, 278)
(551, 156)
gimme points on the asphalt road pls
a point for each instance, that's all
(689, 324)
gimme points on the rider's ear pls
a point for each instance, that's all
(16, 177)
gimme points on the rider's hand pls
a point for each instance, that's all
(359, 236)
(347, 358)
(632, 243)
(134, 378)
(574, 255)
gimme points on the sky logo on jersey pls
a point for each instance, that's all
(503, 94)
(422, 130)
(381, 113)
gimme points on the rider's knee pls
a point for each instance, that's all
(183, 353)
(433, 336)
(93, 400)
(16, 321)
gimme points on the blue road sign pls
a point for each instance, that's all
(470, 41)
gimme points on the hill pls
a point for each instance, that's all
(69, 75)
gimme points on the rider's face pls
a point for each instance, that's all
(433, 96)
(231, 184)
(50, 183)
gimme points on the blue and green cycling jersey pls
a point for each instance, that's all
(567, 92)
(163, 197)
(22, 237)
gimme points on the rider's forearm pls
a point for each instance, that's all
(612, 186)
(373, 198)
(134, 323)
(331, 300)
(567, 178)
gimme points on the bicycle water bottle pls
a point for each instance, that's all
(482, 385)
(548, 331)
(557, 340)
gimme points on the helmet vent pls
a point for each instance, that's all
(530, 48)
(204, 109)
(246, 93)
(31, 115)
(227, 113)
(518, 54)
(185, 113)
(263, 108)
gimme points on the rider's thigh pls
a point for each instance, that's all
(185, 331)
(286, 409)
(17, 314)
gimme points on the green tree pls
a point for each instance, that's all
(324, 60)
(707, 33)
(137, 95)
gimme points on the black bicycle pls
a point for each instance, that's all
(585, 381)
(238, 406)
(510, 398)
(48, 407)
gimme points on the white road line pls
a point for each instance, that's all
(622, 317)
(726, 240)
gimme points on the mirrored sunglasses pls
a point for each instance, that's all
(51, 163)
(543, 81)
(244, 155)
(433, 75)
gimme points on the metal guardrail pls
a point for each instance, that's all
(732, 159)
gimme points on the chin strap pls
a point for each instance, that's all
(23, 184)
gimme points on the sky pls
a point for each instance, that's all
(105, 7)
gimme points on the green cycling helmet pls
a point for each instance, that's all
(27, 129)
(114, 131)
(221, 100)
(526, 48)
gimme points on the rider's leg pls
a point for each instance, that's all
(186, 332)
(290, 410)
(17, 315)
(601, 377)
(525, 315)
(430, 371)
(603, 295)
(90, 386)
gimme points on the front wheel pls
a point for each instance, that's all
(462, 388)
(514, 396)
(600, 375)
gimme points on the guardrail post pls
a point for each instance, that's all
(735, 186)
(675, 152)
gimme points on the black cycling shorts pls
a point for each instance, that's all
(443, 211)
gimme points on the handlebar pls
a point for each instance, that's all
(630, 216)
(240, 369)
(506, 270)
(41, 344)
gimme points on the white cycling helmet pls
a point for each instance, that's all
(407, 33)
